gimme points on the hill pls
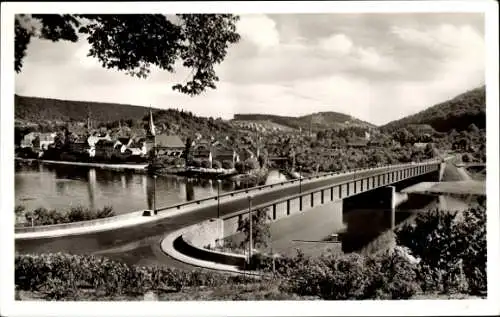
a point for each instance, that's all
(261, 125)
(315, 121)
(34, 109)
(457, 113)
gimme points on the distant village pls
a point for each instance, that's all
(80, 142)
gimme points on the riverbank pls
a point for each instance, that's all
(202, 173)
(127, 166)
(253, 178)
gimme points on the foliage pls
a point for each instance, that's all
(18, 210)
(240, 167)
(261, 232)
(387, 275)
(226, 164)
(135, 43)
(216, 164)
(205, 163)
(317, 121)
(452, 247)
(42, 216)
(57, 274)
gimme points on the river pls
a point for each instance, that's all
(61, 187)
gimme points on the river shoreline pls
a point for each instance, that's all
(131, 166)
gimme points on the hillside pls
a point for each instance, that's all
(34, 109)
(315, 121)
(261, 125)
(457, 113)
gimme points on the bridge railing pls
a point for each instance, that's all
(89, 223)
(261, 187)
(341, 190)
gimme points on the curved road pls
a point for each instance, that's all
(140, 244)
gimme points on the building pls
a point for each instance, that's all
(104, 148)
(245, 154)
(169, 145)
(38, 141)
(28, 139)
(420, 145)
(79, 147)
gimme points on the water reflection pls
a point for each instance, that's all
(189, 190)
(92, 184)
(60, 186)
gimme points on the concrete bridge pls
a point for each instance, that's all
(135, 238)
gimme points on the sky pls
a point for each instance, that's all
(377, 67)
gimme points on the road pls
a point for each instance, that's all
(140, 244)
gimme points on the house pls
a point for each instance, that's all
(224, 154)
(27, 140)
(420, 145)
(79, 147)
(139, 146)
(357, 144)
(93, 139)
(46, 139)
(169, 145)
(104, 148)
(201, 150)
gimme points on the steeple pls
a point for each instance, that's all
(89, 122)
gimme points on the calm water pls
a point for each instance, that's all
(61, 187)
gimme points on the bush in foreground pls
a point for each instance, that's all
(60, 275)
(42, 216)
(452, 248)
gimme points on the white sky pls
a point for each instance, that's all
(377, 67)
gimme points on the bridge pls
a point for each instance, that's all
(136, 237)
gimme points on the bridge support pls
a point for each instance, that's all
(390, 209)
(385, 199)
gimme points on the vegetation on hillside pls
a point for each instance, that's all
(457, 113)
(34, 109)
(315, 122)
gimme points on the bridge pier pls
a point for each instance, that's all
(385, 199)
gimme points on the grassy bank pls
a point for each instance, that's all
(43, 217)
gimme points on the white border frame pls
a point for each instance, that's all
(283, 308)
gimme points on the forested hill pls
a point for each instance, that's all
(316, 121)
(34, 109)
(457, 113)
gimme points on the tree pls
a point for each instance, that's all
(227, 164)
(205, 163)
(133, 43)
(187, 151)
(261, 232)
(216, 164)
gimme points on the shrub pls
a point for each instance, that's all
(261, 232)
(226, 164)
(42, 216)
(240, 167)
(18, 210)
(205, 164)
(105, 212)
(216, 164)
(388, 275)
(56, 274)
(452, 247)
